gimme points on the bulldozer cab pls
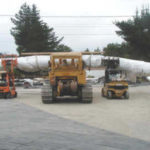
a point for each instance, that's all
(68, 66)
(66, 61)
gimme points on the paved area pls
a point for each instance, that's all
(27, 128)
(128, 117)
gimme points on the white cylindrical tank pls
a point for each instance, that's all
(37, 63)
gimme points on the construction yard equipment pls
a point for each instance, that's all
(7, 79)
(115, 84)
(67, 77)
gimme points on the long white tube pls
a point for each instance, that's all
(37, 63)
(135, 66)
(33, 63)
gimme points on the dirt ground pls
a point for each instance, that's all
(128, 117)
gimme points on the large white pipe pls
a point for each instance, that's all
(33, 63)
(37, 63)
(135, 66)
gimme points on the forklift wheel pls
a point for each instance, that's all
(102, 92)
(109, 95)
(15, 95)
(126, 95)
(8, 95)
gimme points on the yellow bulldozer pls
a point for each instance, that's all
(67, 77)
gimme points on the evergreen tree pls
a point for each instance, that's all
(118, 50)
(97, 49)
(63, 48)
(87, 50)
(136, 32)
(31, 34)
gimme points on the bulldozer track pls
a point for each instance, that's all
(46, 93)
(87, 94)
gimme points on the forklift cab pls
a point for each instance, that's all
(3, 81)
(114, 75)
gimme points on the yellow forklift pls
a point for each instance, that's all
(115, 84)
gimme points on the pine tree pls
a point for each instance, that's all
(87, 50)
(63, 48)
(136, 32)
(97, 49)
(31, 34)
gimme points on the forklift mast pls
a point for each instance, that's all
(9, 62)
(110, 62)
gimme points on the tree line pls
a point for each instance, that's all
(32, 34)
(136, 35)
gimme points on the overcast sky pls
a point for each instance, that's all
(79, 33)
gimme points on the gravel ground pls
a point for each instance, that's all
(27, 128)
(127, 117)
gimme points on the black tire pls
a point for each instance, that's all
(126, 95)
(7, 95)
(16, 94)
(80, 93)
(102, 93)
(109, 95)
